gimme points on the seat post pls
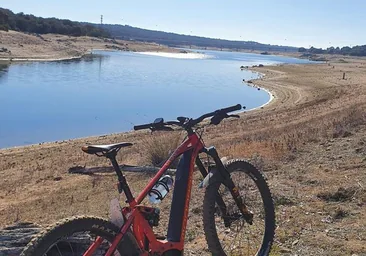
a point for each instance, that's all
(122, 183)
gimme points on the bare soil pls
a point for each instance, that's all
(28, 47)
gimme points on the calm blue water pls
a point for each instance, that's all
(48, 101)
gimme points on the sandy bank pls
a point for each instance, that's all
(31, 47)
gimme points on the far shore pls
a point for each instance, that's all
(18, 46)
(22, 47)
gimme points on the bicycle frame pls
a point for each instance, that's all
(189, 149)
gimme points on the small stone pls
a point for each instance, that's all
(285, 250)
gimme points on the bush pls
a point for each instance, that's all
(4, 27)
(341, 195)
(159, 147)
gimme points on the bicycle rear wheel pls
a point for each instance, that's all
(240, 238)
(73, 237)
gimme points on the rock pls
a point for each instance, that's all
(358, 150)
(14, 238)
(284, 250)
(3, 49)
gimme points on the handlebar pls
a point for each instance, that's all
(142, 126)
(188, 123)
(230, 109)
(218, 113)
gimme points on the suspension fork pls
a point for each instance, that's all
(220, 202)
(228, 182)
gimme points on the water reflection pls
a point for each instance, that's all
(94, 56)
(4, 68)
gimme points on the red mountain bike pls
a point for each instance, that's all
(238, 211)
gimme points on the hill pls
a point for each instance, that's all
(33, 24)
(29, 23)
(127, 32)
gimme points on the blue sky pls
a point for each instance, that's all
(319, 23)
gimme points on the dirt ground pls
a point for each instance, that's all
(27, 47)
(310, 142)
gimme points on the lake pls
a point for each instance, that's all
(110, 92)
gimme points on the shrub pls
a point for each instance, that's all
(158, 148)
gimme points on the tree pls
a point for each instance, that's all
(316, 50)
(346, 50)
(302, 49)
(30, 23)
(331, 50)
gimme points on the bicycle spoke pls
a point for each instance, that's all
(58, 250)
(241, 238)
(71, 248)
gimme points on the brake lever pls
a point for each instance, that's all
(236, 116)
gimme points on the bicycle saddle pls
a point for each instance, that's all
(94, 149)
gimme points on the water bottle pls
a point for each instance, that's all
(160, 189)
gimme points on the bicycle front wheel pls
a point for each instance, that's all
(238, 237)
(74, 237)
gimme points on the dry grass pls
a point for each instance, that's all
(157, 148)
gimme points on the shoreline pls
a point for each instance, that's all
(164, 54)
(272, 100)
(17, 60)
(271, 94)
(22, 47)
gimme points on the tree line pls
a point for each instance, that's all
(359, 50)
(127, 32)
(32, 24)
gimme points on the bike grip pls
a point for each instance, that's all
(142, 126)
(231, 109)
